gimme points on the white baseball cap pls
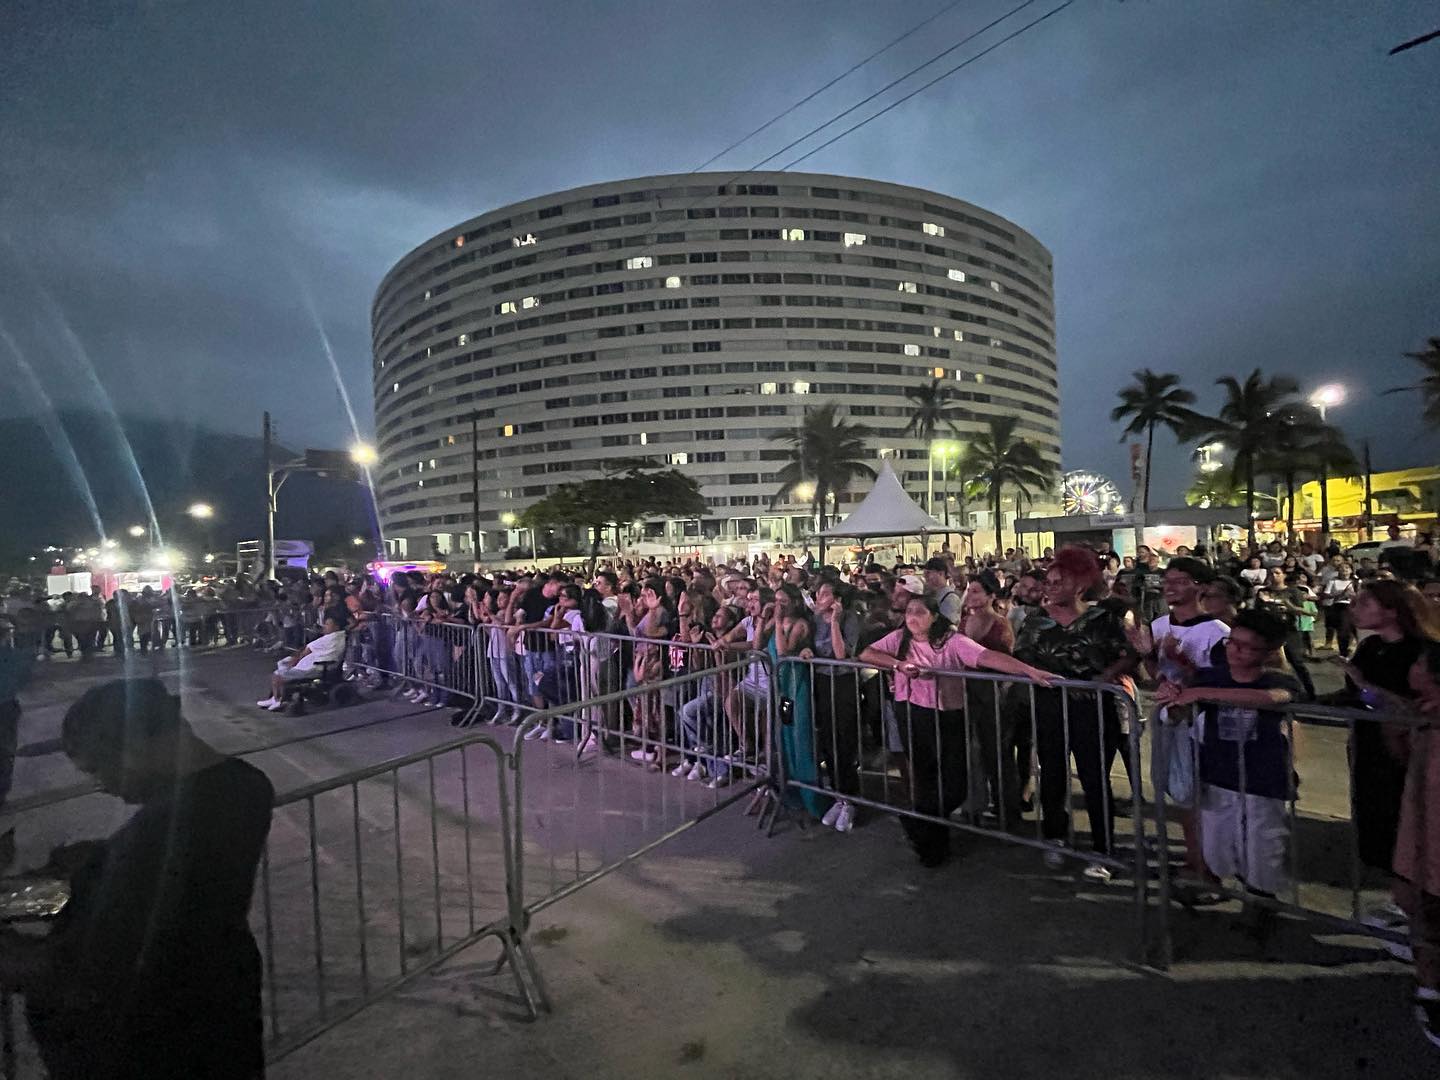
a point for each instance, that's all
(913, 583)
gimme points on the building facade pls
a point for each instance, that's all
(691, 319)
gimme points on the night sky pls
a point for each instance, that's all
(201, 188)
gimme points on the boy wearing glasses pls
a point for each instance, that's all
(1246, 769)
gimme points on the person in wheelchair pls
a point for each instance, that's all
(307, 664)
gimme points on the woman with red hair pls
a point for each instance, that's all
(1076, 639)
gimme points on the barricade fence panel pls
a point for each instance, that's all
(443, 662)
(376, 876)
(1243, 813)
(603, 778)
(973, 752)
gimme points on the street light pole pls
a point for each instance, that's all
(474, 486)
(1323, 398)
(269, 505)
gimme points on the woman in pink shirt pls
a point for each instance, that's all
(930, 714)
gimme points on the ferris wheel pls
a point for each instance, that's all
(1090, 493)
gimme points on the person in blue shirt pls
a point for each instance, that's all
(1247, 771)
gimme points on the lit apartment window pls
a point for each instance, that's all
(459, 241)
(769, 388)
(639, 262)
(802, 388)
(792, 234)
(507, 307)
(939, 373)
(912, 350)
(959, 335)
(507, 431)
(957, 275)
(996, 343)
(854, 239)
(995, 285)
(449, 440)
(644, 439)
(395, 389)
(888, 452)
(432, 463)
(463, 339)
(672, 283)
(979, 376)
(905, 286)
(427, 294)
(680, 459)
(929, 228)
(522, 241)
(530, 302)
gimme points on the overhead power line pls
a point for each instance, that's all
(838, 78)
(921, 89)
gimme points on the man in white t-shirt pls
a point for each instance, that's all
(1184, 640)
(304, 663)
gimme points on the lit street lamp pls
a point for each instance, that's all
(201, 511)
(508, 519)
(1328, 397)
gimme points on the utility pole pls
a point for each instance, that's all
(266, 437)
(1369, 522)
(474, 486)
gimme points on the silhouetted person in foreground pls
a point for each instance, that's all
(151, 971)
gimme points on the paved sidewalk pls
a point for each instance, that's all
(723, 954)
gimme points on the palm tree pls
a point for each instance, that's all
(999, 458)
(827, 451)
(1153, 401)
(1214, 489)
(1429, 384)
(933, 409)
(1247, 421)
(1286, 453)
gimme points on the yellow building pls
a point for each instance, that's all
(1409, 498)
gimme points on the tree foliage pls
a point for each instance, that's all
(1429, 385)
(636, 489)
(1153, 401)
(998, 458)
(827, 451)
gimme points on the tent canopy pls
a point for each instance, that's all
(888, 511)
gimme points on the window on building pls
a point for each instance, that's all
(854, 239)
(506, 307)
(530, 302)
(956, 275)
(507, 431)
(769, 388)
(522, 241)
(912, 350)
(672, 282)
(639, 262)
(938, 372)
(929, 228)
(792, 234)
(905, 286)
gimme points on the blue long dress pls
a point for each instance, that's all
(797, 739)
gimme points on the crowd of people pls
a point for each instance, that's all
(875, 671)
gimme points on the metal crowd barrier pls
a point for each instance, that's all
(375, 877)
(964, 768)
(444, 659)
(585, 756)
(1280, 848)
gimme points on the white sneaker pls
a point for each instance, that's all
(719, 780)
(682, 769)
(845, 820)
(832, 814)
(642, 755)
(545, 735)
(697, 772)
(535, 733)
(266, 703)
(413, 695)
(277, 707)
(1096, 872)
(1053, 859)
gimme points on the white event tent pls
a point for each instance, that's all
(888, 511)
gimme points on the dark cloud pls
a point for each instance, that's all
(1224, 185)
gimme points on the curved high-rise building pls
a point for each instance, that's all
(690, 319)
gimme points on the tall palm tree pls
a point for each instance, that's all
(1429, 384)
(1247, 421)
(999, 458)
(827, 451)
(1286, 454)
(1153, 401)
(933, 409)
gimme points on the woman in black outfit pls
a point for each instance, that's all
(1402, 624)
